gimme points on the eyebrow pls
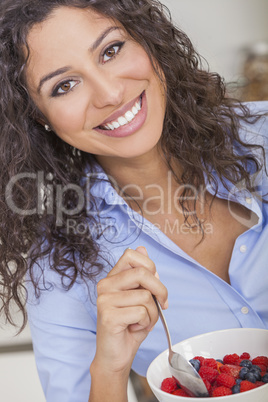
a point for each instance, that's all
(63, 70)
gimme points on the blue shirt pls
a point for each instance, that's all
(63, 324)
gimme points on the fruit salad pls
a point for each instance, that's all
(231, 375)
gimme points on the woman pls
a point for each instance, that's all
(123, 162)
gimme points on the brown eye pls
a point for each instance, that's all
(65, 87)
(110, 52)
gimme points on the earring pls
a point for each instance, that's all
(47, 128)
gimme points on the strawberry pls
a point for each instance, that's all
(231, 359)
(208, 373)
(226, 380)
(230, 369)
(169, 385)
(263, 360)
(180, 392)
(221, 391)
(246, 386)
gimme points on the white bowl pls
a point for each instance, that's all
(214, 345)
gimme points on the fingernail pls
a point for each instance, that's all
(165, 305)
(127, 249)
(157, 275)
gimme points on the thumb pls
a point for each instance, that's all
(142, 250)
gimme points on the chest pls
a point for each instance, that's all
(211, 246)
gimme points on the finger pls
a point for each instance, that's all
(132, 259)
(142, 250)
(118, 320)
(133, 279)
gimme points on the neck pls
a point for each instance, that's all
(147, 180)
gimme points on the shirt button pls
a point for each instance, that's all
(248, 200)
(244, 310)
(243, 248)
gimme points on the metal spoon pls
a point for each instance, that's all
(182, 370)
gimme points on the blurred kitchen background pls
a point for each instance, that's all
(232, 35)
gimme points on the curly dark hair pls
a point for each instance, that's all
(200, 129)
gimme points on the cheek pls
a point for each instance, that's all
(67, 117)
(137, 65)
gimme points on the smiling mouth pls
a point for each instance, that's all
(125, 119)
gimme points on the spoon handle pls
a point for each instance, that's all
(162, 317)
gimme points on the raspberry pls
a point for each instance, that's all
(180, 392)
(246, 386)
(208, 373)
(263, 369)
(231, 359)
(225, 380)
(259, 383)
(200, 358)
(245, 356)
(263, 360)
(222, 391)
(210, 363)
(169, 385)
(230, 369)
(207, 384)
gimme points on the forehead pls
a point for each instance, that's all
(58, 39)
(64, 23)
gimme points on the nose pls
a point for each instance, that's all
(106, 89)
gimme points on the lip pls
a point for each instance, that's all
(130, 128)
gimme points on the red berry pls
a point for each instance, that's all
(210, 363)
(169, 385)
(263, 369)
(208, 373)
(259, 383)
(180, 392)
(231, 359)
(230, 369)
(200, 358)
(207, 384)
(225, 380)
(221, 391)
(245, 356)
(246, 385)
(263, 360)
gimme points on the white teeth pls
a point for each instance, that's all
(127, 118)
(122, 121)
(138, 105)
(116, 124)
(135, 110)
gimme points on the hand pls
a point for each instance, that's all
(126, 309)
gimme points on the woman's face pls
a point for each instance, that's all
(95, 86)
